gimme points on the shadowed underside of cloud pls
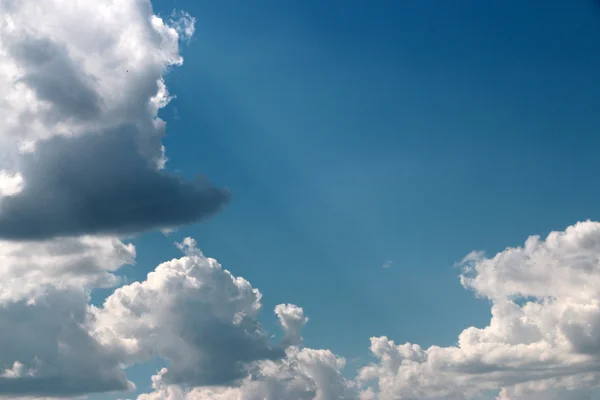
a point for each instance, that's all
(46, 349)
(100, 183)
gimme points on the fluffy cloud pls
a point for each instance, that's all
(81, 155)
(27, 269)
(543, 337)
(82, 91)
(48, 348)
(304, 374)
(292, 320)
(204, 322)
(540, 343)
(193, 313)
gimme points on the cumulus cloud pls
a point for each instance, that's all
(48, 350)
(82, 163)
(204, 322)
(543, 337)
(292, 319)
(193, 313)
(27, 269)
(304, 374)
(81, 137)
(46, 335)
(539, 344)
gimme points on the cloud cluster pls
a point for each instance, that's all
(204, 322)
(543, 337)
(82, 165)
(81, 161)
(193, 313)
(27, 269)
(304, 374)
(81, 137)
(201, 319)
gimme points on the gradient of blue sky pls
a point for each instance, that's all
(351, 133)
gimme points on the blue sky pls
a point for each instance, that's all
(355, 134)
(405, 131)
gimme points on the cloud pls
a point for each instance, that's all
(193, 313)
(184, 24)
(204, 322)
(80, 142)
(48, 346)
(304, 374)
(82, 163)
(10, 184)
(543, 337)
(100, 183)
(387, 264)
(27, 269)
(292, 320)
(47, 349)
(540, 342)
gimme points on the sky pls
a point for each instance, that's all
(230, 200)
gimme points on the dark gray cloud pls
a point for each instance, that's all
(101, 184)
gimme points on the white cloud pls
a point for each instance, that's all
(184, 23)
(195, 314)
(543, 335)
(110, 54)
(292, 320)
(82, 84)
(204, 322)
(540, 343)
(28, 268)
(10, 184)
(305, 374)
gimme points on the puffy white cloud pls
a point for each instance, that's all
(82, 84)
(27, 269)
(10, 184)
(204, 322)
(68, 65)
(292, 320)
(305, 374)
(543, 336)
(193, 313)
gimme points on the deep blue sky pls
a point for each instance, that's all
(351, 133)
